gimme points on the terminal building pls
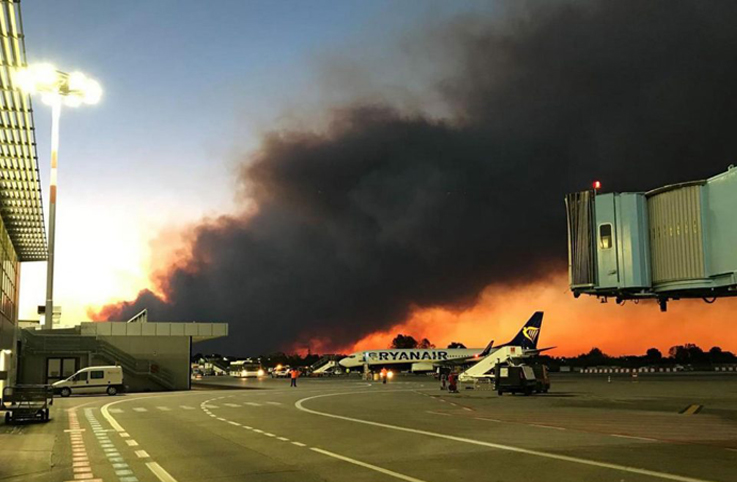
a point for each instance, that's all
(154, 356)
(674, 242)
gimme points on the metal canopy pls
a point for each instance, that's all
(21, 207)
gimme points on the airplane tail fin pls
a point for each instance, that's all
(487, 350)
(529, 334)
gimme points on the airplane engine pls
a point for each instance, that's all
(422, 367)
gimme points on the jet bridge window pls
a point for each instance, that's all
(605, 236)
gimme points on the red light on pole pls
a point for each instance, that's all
(597, 185)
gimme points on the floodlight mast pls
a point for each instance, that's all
(56, 88)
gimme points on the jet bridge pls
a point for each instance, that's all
(674, 242)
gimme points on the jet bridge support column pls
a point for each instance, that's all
(366, 371)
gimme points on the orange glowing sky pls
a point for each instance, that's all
(574, 326)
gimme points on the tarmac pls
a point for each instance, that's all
(679, 427)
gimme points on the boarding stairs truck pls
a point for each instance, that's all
(481, 370)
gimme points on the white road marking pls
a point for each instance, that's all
(299, 404)
(124, 434)
(159, 472)
(234, 423)
(258, 431)
(274, 403)
(164, 409)
(186, 407)
(116, 410)
(139, 409)
(382, 470)
(545, 426)
(132, 443)
(299, 444)
(231, 405)
(283, 439)
(633, 437)
(211, 406)
(468, 409)
(269, 434)
(253, 404)
(438, 413)
(488, 419)
(141, 454)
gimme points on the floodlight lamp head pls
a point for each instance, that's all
(72, 89)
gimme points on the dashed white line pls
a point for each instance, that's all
(186, 407)
(159, 472)
(633, 437)
(231, 405)
(132, 443)
(299, 444)
(283, 439)
(139, 409)
(253, 404)
(234, 423)
(164, 409)
(545, 426)
(141, 454)
(269, 434)
(488, 419)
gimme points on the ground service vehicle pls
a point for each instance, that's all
(250, 370)
(102, 379)
(542, 379)
(514, 379)
(27, 402)
(281, 372)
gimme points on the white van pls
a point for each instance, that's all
(105, 379)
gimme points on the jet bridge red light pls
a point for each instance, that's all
(597, 185)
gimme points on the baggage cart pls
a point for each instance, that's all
(27, 402)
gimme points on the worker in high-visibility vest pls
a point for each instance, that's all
(293, 375)
(383, 375)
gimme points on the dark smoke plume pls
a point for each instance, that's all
(384, 211)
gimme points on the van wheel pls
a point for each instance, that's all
(112, 391)
(65, 392)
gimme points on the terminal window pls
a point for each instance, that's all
(605, 236)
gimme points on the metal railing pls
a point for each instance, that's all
(74, 343)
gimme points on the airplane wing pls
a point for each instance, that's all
(537, 351)
(467, 359)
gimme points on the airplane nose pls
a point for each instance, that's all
(343, 362)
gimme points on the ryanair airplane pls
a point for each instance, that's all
(429, 359)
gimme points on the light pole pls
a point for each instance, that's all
(56, 88)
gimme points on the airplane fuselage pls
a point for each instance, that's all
(407, 355)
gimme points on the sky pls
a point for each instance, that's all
(328, 174)
(188, 86)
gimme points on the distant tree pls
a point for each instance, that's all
(595, 357)
(456, 344)
(425, 343)
(404, 341)
(688, 353)
(653, 354)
